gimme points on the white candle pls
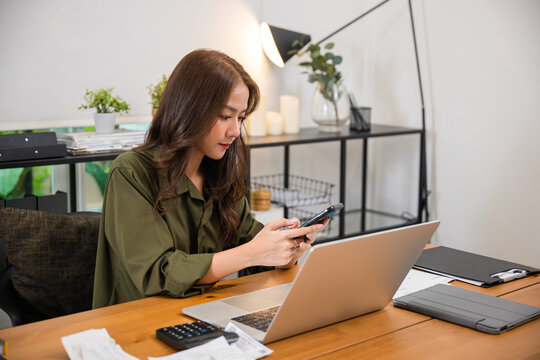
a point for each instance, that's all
(256, 121)
(288, 105)
(274, 123)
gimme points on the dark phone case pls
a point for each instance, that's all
(326, 213)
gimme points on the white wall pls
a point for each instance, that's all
(52, 50)
(480, 73)
(484, 72)
(481, 79)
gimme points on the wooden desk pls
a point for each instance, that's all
(436, 339)
(390, 332)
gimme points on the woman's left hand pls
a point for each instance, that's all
(303, 244)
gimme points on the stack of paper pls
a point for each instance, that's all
(419, 280)
(91, 142)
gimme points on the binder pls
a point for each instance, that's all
(471, 268)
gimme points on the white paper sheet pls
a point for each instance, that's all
(248, 344)
(215, 349)
(93, 344)
(418, 280)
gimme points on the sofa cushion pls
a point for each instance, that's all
(53, 260)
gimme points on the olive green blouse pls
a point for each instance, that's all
(142, 254)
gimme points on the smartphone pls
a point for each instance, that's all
(323, 215)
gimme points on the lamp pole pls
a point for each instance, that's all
(352, 22)
(423, 213)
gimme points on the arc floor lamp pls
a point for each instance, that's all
(278, 42)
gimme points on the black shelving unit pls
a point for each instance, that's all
(353, 222)
(70, 160)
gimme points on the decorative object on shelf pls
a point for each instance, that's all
(260, 199)
(107, 106)
(297, 191)
(330, 107)
(256, 122)
(156, 92)
(360, 116)
(104, 123)
(278, 46)
(274, 123)
(289, 107)
(30, 146)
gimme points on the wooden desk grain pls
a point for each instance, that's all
(133, 324)
(437, 339)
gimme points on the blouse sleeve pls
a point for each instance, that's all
(141, 241)
(249, 226)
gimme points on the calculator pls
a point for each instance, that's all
(185, 336)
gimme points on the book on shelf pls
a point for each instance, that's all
(79, 143)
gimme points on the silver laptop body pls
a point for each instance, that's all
(338, 280)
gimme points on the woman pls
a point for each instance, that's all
(175, 218)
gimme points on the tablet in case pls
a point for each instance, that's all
(477, 311)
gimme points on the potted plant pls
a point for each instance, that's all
(156, 92)
(330, 107)
(107, 106)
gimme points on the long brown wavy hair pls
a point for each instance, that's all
(196, 94)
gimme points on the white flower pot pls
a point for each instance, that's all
(104, 122)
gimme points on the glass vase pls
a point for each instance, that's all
(330, 107)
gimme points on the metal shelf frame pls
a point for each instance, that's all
(312, 136)
(306, 136)
(71, 160)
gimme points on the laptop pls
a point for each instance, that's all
(338, 280)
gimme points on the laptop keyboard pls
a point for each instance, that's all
(259, 320)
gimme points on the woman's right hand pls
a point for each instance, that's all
(274, 247)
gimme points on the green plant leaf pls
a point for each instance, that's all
(99, 173)
(8, 180)
(156, 91)
(323, 68)
(104, 102)
(330, 72)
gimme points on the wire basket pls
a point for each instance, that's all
(305, 215)
(301, 190)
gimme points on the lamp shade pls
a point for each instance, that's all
(277, 43)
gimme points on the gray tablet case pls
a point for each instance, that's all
(477, 311)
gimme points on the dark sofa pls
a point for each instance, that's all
(46, 263)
